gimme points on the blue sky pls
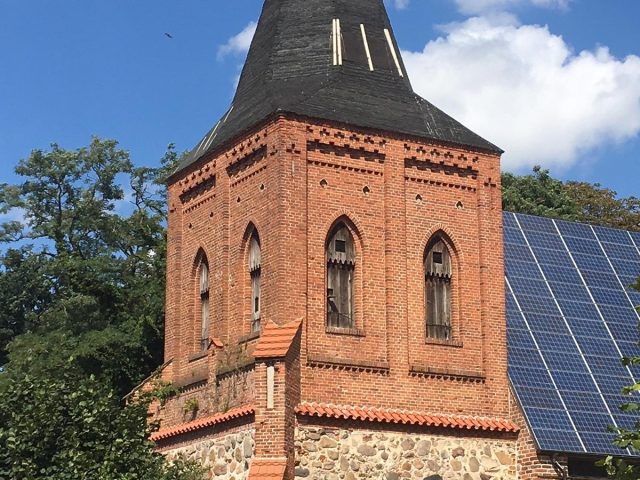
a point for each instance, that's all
(555, 82)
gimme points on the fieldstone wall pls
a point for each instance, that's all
(227, 458)
(336, 454)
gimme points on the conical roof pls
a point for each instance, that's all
(332, 60)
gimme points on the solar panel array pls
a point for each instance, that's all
(570, 318)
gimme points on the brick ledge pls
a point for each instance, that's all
(431, 372)
(332, 362)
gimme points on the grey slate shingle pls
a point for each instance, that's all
(289, 69)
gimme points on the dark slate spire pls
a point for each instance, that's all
(310, 57)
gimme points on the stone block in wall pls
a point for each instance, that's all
(225, 458)
(339, 454)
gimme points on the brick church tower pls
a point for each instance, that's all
(335, 299)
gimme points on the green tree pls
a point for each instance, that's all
(82, 274)
(601, 206)
(73, 427)
(81, 315)
(540, 194)
(537, 194)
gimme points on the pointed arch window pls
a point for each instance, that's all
(204, 305)
(438, 276)
(255, 274)
(341, 265)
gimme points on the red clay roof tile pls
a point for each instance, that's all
(396, 416)
(202, 423)
(275, 340)
(267, 469)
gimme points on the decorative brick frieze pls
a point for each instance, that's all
(322, 361)
(446, 374)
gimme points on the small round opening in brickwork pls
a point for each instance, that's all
(191, 225)
(238, 200)
(262, 187)
(211, 215)
(419, 199)
(324, 183)
(366, 190)
(459, 205)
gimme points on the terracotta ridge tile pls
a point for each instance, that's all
(202, 423)
(267, 468)
(275, 340)
(383, 415)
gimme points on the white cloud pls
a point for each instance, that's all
(401, 4)
(524, 89)
(240, 43)
(473, 7)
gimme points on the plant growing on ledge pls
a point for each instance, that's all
(191, 407)
(163, 391)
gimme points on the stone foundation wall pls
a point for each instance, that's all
(337, 454)
(226, 458)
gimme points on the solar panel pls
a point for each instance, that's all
(570, 319)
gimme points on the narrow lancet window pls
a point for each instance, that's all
(204, 306)
(437, 267)
(254, 273)
(341, 264)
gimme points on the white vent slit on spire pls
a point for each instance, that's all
(366, 46)
(337, 42)
(394, 54)
(334, 37)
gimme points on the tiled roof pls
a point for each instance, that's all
(405, 418)
(289, 70)
(275, 341)
(202, 423)
(267, 469)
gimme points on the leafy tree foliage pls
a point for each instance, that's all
(540, 194)
(81, 315)
(537, 194)
(79, 278)
(599, 205)
(72, 427)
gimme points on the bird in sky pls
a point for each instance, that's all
(168, 35)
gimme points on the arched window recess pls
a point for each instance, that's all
(204, 304)
(341, 265)
(255, 262)
(438, 278)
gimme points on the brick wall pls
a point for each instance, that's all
(291, 180)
